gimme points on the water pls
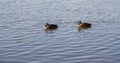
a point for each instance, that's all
(23, 40)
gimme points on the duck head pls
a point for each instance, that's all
(46, 26)
(79, 22)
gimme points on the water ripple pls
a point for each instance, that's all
(22, 37)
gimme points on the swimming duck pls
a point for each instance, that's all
(81, 25)
(50, 26)
(86, 25)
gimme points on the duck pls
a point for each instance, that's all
(83, 25)
(50, 26)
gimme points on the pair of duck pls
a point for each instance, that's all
(80, 26)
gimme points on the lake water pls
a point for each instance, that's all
(23, 39)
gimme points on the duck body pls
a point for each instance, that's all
(80, 24)
(50, 26)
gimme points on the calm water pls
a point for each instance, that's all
(23, 40)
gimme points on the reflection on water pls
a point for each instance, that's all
(83, 28)
(24, 40)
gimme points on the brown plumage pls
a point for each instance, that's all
(50, 26)
(81, 25)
